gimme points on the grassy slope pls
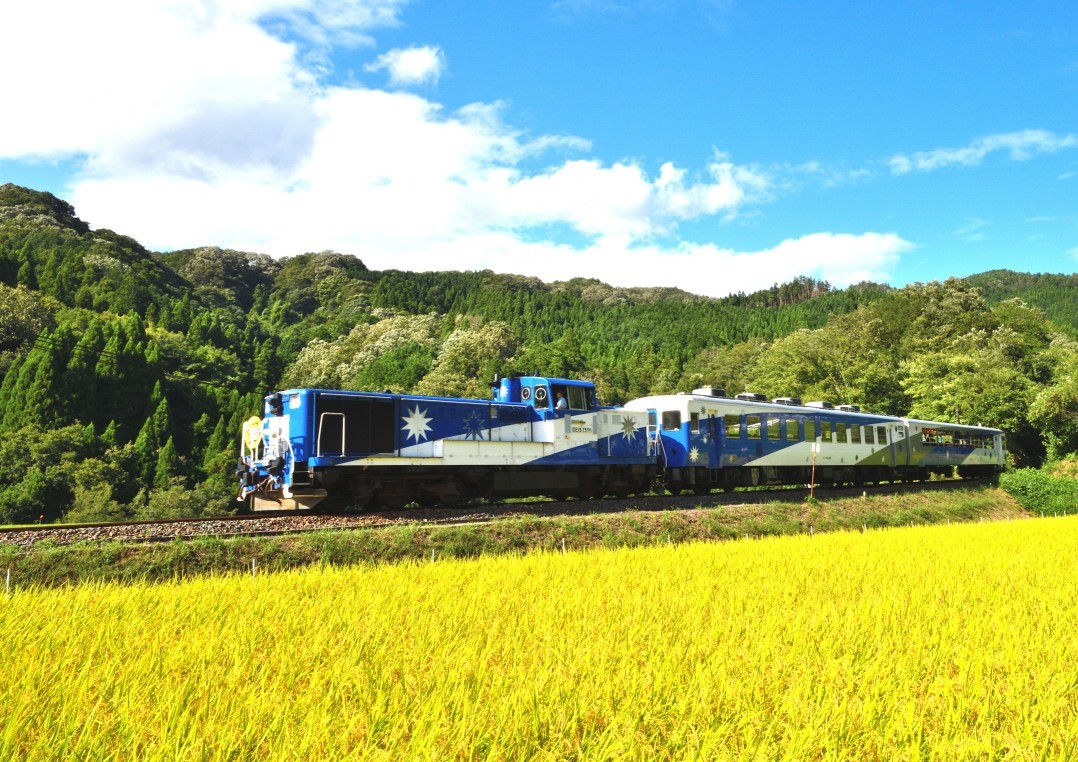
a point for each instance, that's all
(50, 565)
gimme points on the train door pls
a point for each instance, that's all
(754, 431)
(900, 443)
(884, 438)
(653, 431)
(714, 455)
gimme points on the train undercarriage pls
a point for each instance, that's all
(396, 487)
(704, 480)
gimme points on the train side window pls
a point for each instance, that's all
(671, 420)
(694, 423)
(870, 435)
(733, 426)
(810, 431)
(855, 434)
(825, 431)
(881, 435)
(752, 426)
(840, 433)
(773, 424)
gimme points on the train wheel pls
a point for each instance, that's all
(395, 500)
(588, 489)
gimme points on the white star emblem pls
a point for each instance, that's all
(694, 455)
(415, 423)
(628, 427)
(473, 425)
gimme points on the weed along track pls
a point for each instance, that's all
(265, 545)
(290, 522)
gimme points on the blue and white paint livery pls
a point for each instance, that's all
(706, 440)
(367, 448)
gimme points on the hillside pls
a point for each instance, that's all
(125, 374)
(1055, 294)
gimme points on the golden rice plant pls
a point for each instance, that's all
(931, 643)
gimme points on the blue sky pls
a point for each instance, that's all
(714, 146)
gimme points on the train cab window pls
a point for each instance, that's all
(810, 431)
(671, 420)
(855, 435)
(825, 431)
(869, 435)
(881, 435)
(577, 396)
(773, 424)
(752, 426)
(694, 423)
(733, 426)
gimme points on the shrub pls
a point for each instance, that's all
(1038, 491)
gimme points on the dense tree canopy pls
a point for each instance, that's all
(125, 375)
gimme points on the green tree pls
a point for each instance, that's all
(469, 359)
(168, 465)
(1054, 409)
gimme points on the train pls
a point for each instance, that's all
(546, 436)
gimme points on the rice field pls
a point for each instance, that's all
(955, 642)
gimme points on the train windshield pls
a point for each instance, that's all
(576, 397)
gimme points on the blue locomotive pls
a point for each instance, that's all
(535, 436)
(538, 435)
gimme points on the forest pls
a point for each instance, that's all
(125, 374)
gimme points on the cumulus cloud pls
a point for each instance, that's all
(214, 122)
(840, 258)
(411, 66)
(1018, 145)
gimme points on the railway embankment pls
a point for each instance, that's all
(635, 523)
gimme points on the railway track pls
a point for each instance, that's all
(280, 523)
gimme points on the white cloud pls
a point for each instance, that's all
(214, 122)
(973, 230)
(706, 269)
(1018, 145)
(113, 79)
(411, 66)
